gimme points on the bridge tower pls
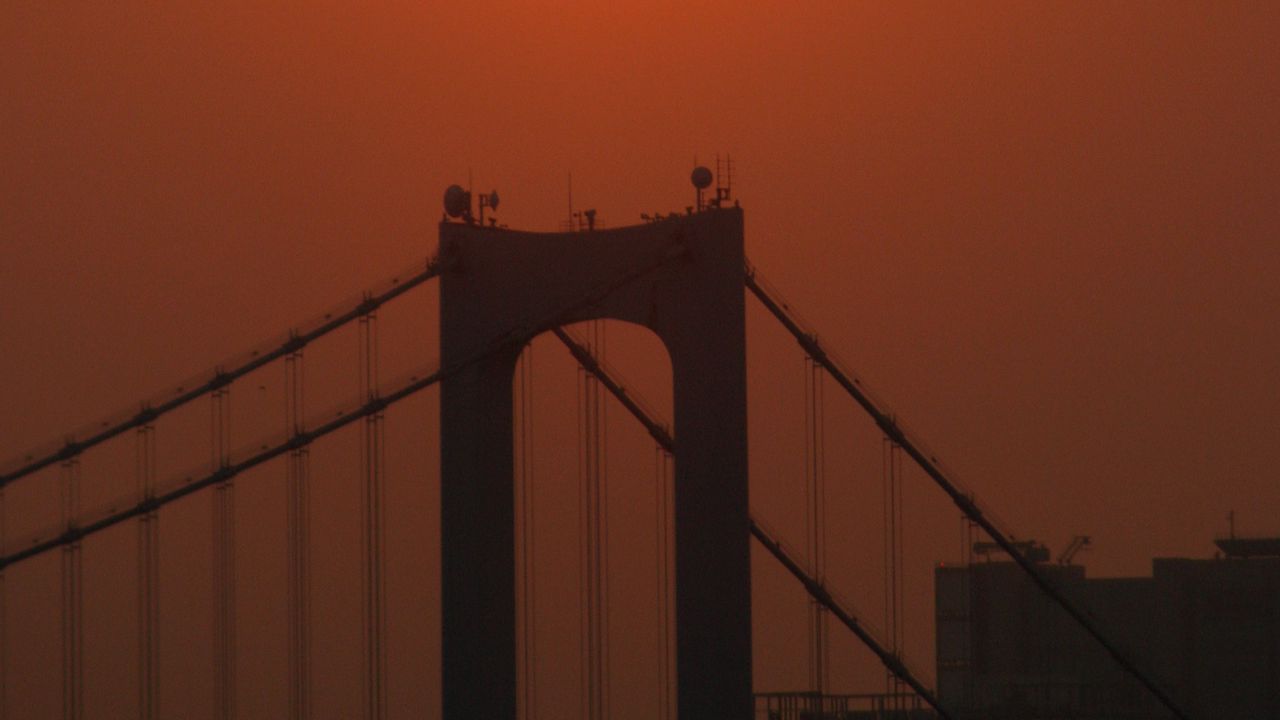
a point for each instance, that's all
(496, 281)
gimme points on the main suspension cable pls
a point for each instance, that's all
(842, 611)
(819, 591)
(220, 377)
(889, 425)
(76, 529)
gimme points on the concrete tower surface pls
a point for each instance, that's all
(504, 283)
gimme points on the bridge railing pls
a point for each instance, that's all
(843, 611)
(823, 706)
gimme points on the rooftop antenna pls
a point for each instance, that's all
(457, 203)
(489, 201)
(571, 198)
(701, 179)
(470, 186)
(724, 180)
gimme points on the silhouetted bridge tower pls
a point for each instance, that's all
(681, 278)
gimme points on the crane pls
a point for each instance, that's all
(1078, 543)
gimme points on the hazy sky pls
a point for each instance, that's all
(1045, 232)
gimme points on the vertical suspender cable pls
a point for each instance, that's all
(900, 575)
(584, 600)
(526, 501)
(72, 599)
(229, 552)
(590, 676)
(586, 516)
(591, 488)
(374, 454)
(148, 579)
(379, 498)
(216, 524)
(820, 446)
(531, 597)
(224, 561)
(662, 494)
(298, 528)
(593, 540)
(594, 527)
(895, 485)
(815, 520)
(4, 622)
(968, 534)
(602, 510)
(886, 495)
(893, 556)
(809, 522)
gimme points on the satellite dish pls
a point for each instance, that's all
(701, 177)
(493, 200)
(457, 202)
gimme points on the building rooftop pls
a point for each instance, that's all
(1248, 547)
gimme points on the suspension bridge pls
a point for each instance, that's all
(684, 278)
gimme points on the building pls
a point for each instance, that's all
(1208, 630)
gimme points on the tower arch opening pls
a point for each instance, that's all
(593, 523)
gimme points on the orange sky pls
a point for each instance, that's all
(1045, 232)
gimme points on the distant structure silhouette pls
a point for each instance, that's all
(1208, 628)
